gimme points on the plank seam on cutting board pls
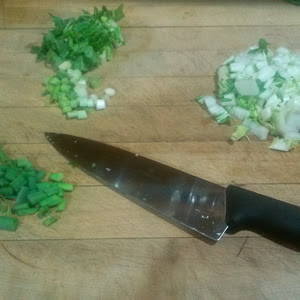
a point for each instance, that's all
(162, 27)
(126, 238)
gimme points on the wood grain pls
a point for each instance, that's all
(104, 246)
(34, 13)
(25, 91)
(114, 124)
(148, 269)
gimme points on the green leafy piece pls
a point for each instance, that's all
(32, 182)
(3, 205)
(3, 157)
(40, 174)
(27, 211)
(61, 206)
(9, 223)
(94, 82)
(52, 190)
(81, 41)
(67, 109)
(54, 81)
(67, 187)
(65, 88)
(61, 194)
(43, 185)
(278, 80)
(6, 191)
(22, 196)
(260, 85)
(295, 2)
(18, 183)
(262, 47)
(11, 174)
(44, 211)
(51, 201)
(24, 163)
(118, 13)
(49, 221)
(21, 206)
(57, 177)
(3, 182)
(36, 197)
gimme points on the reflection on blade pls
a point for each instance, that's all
(191, 201)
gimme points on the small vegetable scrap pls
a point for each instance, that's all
(24, 192)
(261, 89)
(74, 47)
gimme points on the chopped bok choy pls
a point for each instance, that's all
(261, 88)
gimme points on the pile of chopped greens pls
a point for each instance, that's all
(86, 41)
(23, 191)
(74, 47)
(260, 88)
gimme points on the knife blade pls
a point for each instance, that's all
(195, 203)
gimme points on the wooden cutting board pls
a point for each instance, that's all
(105, 246)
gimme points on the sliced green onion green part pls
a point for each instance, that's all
(9, 223)
(49, 221)
(57, 177)
(28, 211)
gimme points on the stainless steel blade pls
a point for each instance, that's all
(186, 199)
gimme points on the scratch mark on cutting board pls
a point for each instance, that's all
(242, 247)
(16, 258)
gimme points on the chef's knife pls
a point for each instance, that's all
(200, 205)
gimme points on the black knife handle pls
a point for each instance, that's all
(274, 219)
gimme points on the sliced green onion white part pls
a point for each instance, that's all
(100, 104)
(261, 88)
(69, 88)
(110, 92)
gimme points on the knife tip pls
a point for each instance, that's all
(49, 135)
